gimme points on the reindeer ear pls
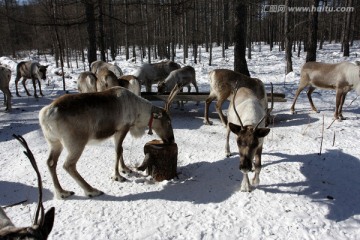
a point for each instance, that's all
(234, 128)
(262, 132)
(48, 222)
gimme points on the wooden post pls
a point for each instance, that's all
(160, 160)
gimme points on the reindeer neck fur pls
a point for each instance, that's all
(250, 109)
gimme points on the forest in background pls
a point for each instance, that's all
(87, 30)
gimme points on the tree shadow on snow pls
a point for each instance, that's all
(333, 179)
(200, 183)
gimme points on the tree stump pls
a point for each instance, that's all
(160, 160)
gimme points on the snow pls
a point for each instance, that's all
(302, 195)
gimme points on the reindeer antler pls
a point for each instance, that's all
(269, 110)
(233, 103)
(29, 154)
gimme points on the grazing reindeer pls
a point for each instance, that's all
(176, 80)
(5, 76)
(222, 83)
(342, 77)
(33, 70)
(72, 121)
(149, 74)
(130, 82)
(246, 119)
(86, 82)
(89, 82)
(43, 223)
(97, 65)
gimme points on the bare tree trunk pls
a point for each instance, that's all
(248, 33)
(347, 31)
(288, 53)
(91, 31)
(312, 34)
(210, 31)
(101, 31)
(240, 64)
(126, 15)
(225, 18)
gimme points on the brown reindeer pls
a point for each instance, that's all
(43, 223)
(222, 85)
(343, 77)
(32, 70)
(149, 74)
(246, 117)
(72, 121)
(5, 76)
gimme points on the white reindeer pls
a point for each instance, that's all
(5, 76)
(149, 74)
(105, 79)
(43, 223)
(246, 115)
(176, 80)
(72, 121)
(97, 65)
(343, 77)
(222, 85)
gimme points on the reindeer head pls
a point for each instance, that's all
(248, 140)
(42, 71)
(162, 125)
(162, 87)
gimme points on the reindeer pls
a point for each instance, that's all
(343, 77)
(72, 121)
(33, 70)
(246, 115)
(5, 76)
(176, 80)
(222, 83)
(130, 82)
(89, 82)
(86, 82)
(97, 65)
(43, 223)
(149, 74)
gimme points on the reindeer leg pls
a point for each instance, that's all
(339, 94)
(16, 86)
(7, 99)
(298, 91)
(310, 91)
(118, 139)
(23, 83)
(227, 146)
(55, 151)
(218, 107)
(343, 96)
(207, 104)
(40, 87)
(245, 184)
(257, 167)
(75, 151)
(197, 91)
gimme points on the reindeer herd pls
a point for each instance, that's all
(109, 104)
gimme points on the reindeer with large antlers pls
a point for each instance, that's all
(43, 223)
(246, 115)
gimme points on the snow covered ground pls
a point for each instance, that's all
(302, 195)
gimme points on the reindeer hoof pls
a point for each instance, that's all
(208, 122)
(18, 95)
(65, 194)
(118, 178)
(94, 193)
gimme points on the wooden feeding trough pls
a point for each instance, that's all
(160, 160)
